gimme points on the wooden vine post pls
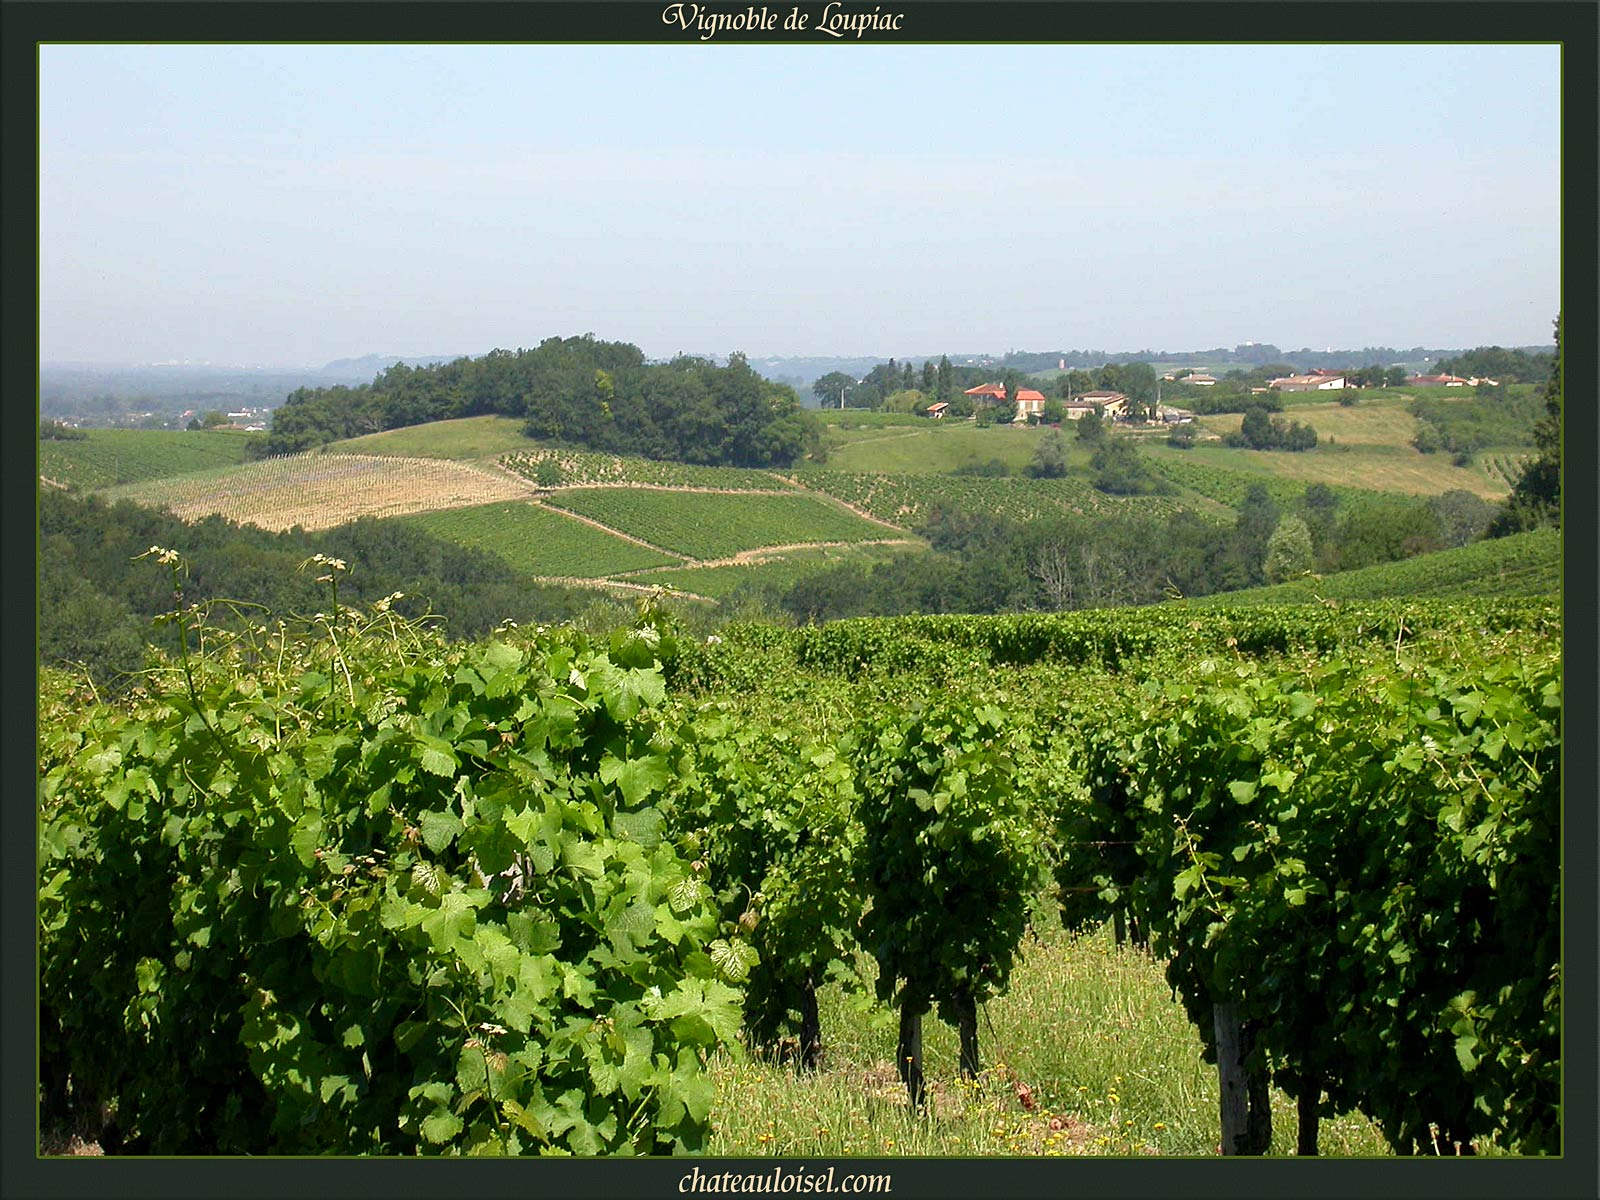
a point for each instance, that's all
(909, 1053)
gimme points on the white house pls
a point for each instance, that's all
(1308, 383)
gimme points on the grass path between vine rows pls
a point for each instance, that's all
(1087, 1054)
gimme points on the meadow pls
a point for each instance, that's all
(110, 457)
(939, 447)
(484, 437)
(1369, 441)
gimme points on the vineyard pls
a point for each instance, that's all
(545, 894)
(576, 468)
(1506, 468)
(776, 568)
(907, 500)
(108, 457)
(1523, 564)
(318, 491)
(1228, 486)
(714, 525)
(540, 541)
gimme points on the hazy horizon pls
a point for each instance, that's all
(289, 206)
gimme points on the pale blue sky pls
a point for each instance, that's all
(294, 204)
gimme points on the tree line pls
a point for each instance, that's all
(984, 563)
(96, 613)
(574, 391)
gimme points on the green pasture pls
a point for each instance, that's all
(111, 457)
(940, 447)
(463, 437)
(1371, 467)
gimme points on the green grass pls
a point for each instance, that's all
(712, 525)
(939, 447)
(1112, 1065)
(861, 418)
(1224, 476)
(463, 437)
(1524, 564)
(110, 457)
(538, 540)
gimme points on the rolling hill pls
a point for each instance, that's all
(606, 520)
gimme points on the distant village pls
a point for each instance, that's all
(1111, 405)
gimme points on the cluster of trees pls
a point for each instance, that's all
(982, 563)
(55, 431)
(1463, 429)
(1536, 500)
(1499, 364)
(904, 387)
(96, 605)
(1260, 431)
(575, 391)
(1376, 376)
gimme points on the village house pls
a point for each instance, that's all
(1030, 404)
(1442, 381)
(988, 393)
(1200, 380)
(1108, 404)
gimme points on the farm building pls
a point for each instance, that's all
(1441, 381)
(988, 393)
(937, 411)
(1107, 404)
(1200, 380)
(1308, 383)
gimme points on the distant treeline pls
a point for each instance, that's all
(982, 563)
(96, 605)
(574, 391)
(1523, 364)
